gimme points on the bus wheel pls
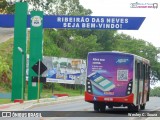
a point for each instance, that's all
(136, 108)
(133, 108)
(142, 107)
(109, 106)
(102, 108)
(96, 107)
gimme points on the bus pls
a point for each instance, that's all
(117, 79)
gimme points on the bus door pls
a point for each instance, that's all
(138, 72)
(148, 78)
(144, 79)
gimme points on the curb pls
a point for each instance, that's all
(59, 100)
(33, 103)
(3, 106)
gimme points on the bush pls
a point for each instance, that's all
(155, 92)
(5, 73)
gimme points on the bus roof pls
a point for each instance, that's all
(119, 52)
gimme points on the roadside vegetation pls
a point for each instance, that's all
(49, 92)
(74, 44)
(155, 92)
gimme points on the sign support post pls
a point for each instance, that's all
(36, 35)
(39, 66)
(19, 56)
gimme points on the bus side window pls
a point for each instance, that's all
(138, 71)
(141, 71)
(144, 71)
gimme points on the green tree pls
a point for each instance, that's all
(80, 46)
(5, 73)
(139, 47)
(50, 46)
(105, 38)
(155, 92)
(6, 7)
(55, 7)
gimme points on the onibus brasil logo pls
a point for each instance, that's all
(144, 5)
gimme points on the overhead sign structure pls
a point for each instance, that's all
(37, 21)
(93, 22)
(81, 22)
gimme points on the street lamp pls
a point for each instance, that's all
(22, 52)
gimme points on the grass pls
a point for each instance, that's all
(5, 101)
(47, 93)
(60, 90)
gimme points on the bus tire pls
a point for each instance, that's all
(136, 108)
(142, 107)
(110, 106)
(133, 108)
(102, 108)
(96, 107)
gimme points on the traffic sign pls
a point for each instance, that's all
(42, 79)
(36, 66)
(81, 22)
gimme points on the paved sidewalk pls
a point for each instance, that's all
(34, 103)
(5, 34)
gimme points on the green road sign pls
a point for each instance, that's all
(36, 35)
(19, 51)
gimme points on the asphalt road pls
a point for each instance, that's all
(81, 110)
(81, 105)
(5, 34)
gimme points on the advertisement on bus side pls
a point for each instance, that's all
(110, 74)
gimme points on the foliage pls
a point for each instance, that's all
(50, 48)
(5, 7)
(155, 92)
(70, 89)
(54, 7)
(6, 63)
(79, 46)
(5, 73)
(139, 47)
(6, 51)
(59, 7)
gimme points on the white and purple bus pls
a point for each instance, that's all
(117, 79)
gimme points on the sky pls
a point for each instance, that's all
(149, 30)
